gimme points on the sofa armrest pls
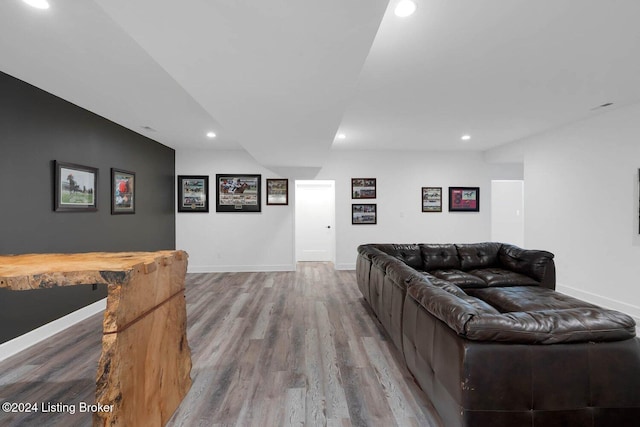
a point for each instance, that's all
(534, 263)
(584, 324)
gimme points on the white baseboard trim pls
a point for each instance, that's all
(631, 310)
(25, 341)
(345, 266)
(239, 268)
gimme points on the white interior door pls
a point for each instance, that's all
(507, 212)
(315, 220)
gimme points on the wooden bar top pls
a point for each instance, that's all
(144, 369)
(33, 271)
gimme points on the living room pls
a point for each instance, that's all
(580, 174)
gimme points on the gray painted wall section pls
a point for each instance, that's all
(37, 128)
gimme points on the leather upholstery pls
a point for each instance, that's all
(492, 344)
(439, 257)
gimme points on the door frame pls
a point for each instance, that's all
(332, 243)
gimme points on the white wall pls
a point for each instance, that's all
(265, 242)
(581, 204)
(228, 241)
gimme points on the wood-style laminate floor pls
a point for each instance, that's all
(268, 349)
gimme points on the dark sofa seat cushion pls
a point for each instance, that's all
(551, 326)
(496, 276)
(527, 298)
(460, 278)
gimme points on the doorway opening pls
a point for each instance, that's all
(315, 202)
(507, 212)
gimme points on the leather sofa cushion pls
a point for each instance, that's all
(460, 278)
(495, 276)
(445, 285)
(446, 306)
(532, 263)
(439, 257)
(400, 273)
(478, 255)
(527, 298)
(551, 326)
(408, 253)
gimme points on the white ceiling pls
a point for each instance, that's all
(280, 78)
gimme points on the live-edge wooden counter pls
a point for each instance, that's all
(144, 369)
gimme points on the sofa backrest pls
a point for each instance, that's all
(436, 256)
(408, 253)
(478, 255)
(533, 263)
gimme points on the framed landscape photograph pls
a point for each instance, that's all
(238, 193)
(277, 191)
(431, 199)
(122, 192)
(464, 199)
(363, 188)
(193, 193)
(75, 188)
(364, 214)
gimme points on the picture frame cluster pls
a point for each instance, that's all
(75, 189)
(234, 192)
(364, 213)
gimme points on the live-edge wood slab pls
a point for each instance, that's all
(145, 365)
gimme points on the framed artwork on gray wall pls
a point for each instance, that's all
(123, 192)
(238, 193)
(75, 187)
(193, 193)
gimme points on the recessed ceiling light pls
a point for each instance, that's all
(341, 136)
(405, 8)
(40, 4)
(211, 134)
(466, 137)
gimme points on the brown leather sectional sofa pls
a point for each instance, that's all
(491, 342)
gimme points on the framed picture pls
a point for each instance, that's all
(75, 188)
(464, 199)
(363, 188)
(193, 193)
(431, 199)
(277, 191)
(238, 193)
(123, 191)
(364, 214)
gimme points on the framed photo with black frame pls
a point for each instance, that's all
(277, 191)
(364, 214)
(193, 193)
(75, 187)
(464, 199)
(431, 199)
(363, 188)
(123, 192)
(238, 193)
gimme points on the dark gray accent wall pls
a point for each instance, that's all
(37, 128)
